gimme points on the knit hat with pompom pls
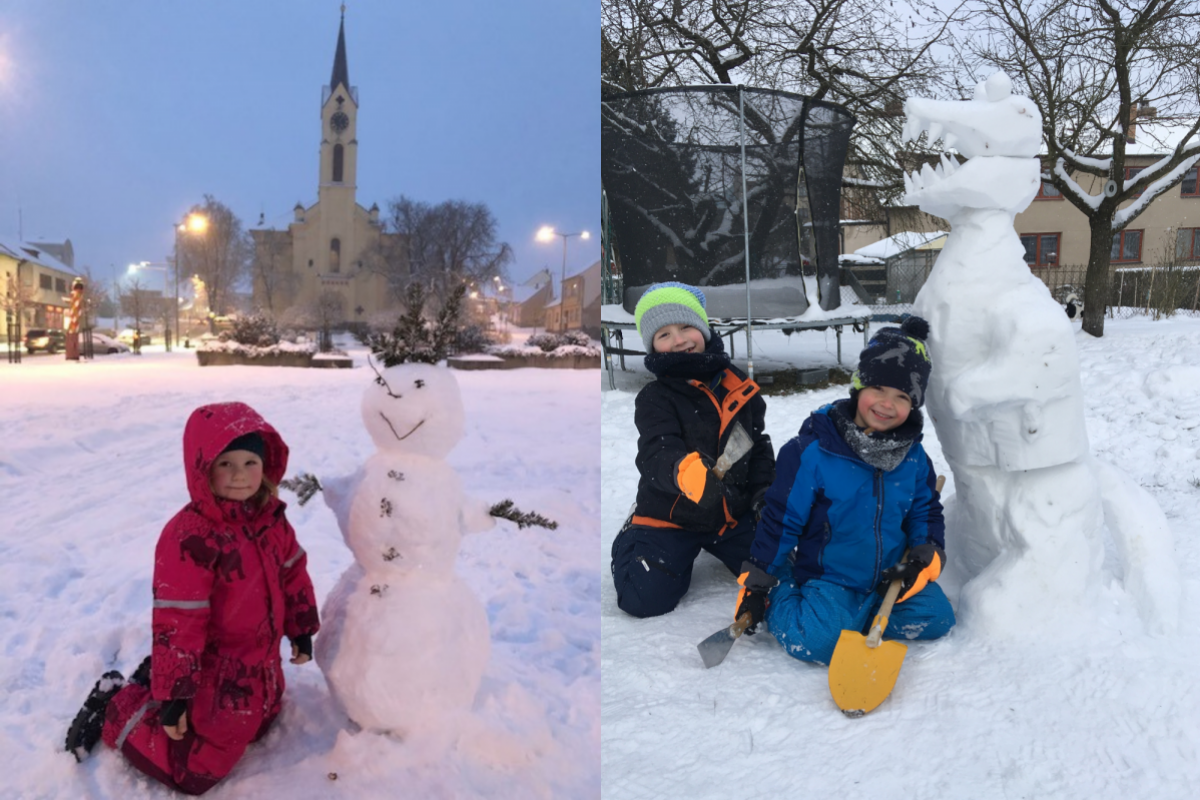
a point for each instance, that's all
(896, 357)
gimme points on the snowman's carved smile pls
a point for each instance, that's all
(393, 427)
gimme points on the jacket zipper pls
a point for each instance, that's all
(878, 523)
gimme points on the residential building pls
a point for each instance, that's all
(35, 283)
(531, 312)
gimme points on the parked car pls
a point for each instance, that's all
(129, 334)
(47, 339)
(107, 345)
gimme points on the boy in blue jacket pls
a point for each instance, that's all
(853, 492)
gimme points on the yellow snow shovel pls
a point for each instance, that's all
(864, 669)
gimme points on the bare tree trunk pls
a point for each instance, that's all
(1095, 292)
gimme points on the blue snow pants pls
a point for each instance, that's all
(652, 567)
(808, 620)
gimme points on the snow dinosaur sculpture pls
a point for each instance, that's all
(1005, 394)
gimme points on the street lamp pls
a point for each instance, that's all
(546, 234)
(193, 223)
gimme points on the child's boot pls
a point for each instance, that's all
(141, 675)
(85, 730)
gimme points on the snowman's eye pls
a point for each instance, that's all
(420, 384)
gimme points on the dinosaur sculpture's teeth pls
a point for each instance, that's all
(927, 174)
(948, 165)
(949, 140)
(935, 131)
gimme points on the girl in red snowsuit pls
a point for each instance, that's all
(230, 581)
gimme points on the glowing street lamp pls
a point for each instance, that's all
(546, 234)
(196, 225)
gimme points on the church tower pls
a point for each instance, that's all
(339, 160)
(325, 254)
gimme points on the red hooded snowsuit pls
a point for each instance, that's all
(230, 581)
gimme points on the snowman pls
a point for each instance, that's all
(404, 642)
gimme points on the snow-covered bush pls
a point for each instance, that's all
(543, 341)
(413, 339)
(255, 330)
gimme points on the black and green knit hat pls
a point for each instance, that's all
(896, 357)
(670, 303)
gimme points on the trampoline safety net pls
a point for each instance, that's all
(672, 167)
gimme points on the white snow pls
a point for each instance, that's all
(896, 244)
(1101, 707)
(89, 473)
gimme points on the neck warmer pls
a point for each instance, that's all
(884, 450)
(700, 366)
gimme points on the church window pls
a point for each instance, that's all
(335, 255)
(337, 163)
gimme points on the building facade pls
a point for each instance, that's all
(332, 251)
(35, 285)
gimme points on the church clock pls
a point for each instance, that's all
(339, 122)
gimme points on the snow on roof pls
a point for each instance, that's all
(899, 243)
(25, 251)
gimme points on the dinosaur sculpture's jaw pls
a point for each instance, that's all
(1000, 135)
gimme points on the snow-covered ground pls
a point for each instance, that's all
(1099, 709)
(90, 471)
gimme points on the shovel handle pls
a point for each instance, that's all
(739, 626)
(885, 611)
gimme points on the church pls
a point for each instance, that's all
(331, 251)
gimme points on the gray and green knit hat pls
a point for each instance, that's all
(670, 303)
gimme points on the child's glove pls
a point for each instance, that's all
(924, 565)
(302, 648)
(752, 599)
(696, 481)
(173, 717)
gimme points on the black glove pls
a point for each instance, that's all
(752, 599)
(696, 480)
(924, 564)
(758, 501)
(303, 644)
(171, 711)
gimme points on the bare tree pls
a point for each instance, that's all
(271, 270)
(448, 244)
(1093, 67)
(219, 255)
(865, 55)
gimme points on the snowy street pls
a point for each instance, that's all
(1095, 708)
(90, 470)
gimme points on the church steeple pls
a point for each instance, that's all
(341, 74)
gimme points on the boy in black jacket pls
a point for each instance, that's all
(685, 420)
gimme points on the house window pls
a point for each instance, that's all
(1187, 244)
(45, 282)
(1047, 191)
(1130, 173)
(337, 163)
(1190, 187)
(1041, 249)
(60, 286)
(1126, 246)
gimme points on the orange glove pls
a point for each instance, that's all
(924, 564)
(694, 477)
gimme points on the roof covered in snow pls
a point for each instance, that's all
(26, 251)
(899, 243)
